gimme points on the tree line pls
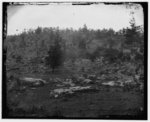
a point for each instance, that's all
(53, 46)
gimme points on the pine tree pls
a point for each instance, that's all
(131, 33)
(55, 54)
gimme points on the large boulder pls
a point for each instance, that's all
(33, 81)
(57, 92)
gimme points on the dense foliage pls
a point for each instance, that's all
(53, 46)
(55, 55)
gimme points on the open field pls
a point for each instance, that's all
(100, 102)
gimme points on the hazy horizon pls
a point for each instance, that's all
(96, 16)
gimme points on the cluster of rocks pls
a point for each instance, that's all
(73, 84)
(21, 83)
(56, 92)
(125, 75)
(113, 77)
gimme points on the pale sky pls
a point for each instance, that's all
(97, 16)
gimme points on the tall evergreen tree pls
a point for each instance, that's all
(131, 33)
(55, 54)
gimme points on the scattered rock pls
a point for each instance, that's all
(128, 81)
(98, 78)
(60, 85)
(57, 80)
(80, 79)
(110, 83)
(120, 83)
(69, 82)
(70, 90)
(137, 77)
(33, 79)
(87, 81)
(39, 83)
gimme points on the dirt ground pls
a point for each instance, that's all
(106, 102)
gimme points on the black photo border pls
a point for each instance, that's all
(111, 117)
